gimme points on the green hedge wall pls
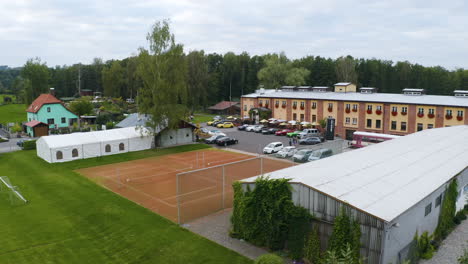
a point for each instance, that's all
(30, 144)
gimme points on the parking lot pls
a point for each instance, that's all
(255, 142)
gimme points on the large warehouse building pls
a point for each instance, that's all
(363, 110)
(393, 189)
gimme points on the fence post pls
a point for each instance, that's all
(178, 198)
(224, 180)
(261, 166)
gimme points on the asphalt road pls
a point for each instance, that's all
(250, 141)
(10, 145)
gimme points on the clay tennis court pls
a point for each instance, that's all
(183, 186)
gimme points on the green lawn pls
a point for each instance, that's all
(12, 113)
(69, 219)
(202, 118)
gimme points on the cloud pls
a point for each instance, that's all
(428, 32)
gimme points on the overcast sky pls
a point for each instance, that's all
(66, 32)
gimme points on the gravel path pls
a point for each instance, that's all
(452, 247)
(216, 228)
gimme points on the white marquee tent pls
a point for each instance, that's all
(62, 148)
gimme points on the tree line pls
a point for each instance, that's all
(212, 77)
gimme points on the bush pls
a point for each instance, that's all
(312, 247)
(109, 125)
(460, 216)
(299, 227)
(464, 258)
(425, 248)
(29, 144)
(269, 259)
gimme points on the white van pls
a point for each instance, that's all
(273, 147)
(309, 132)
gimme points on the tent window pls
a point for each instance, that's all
(59, 155)
(108, 148)
(121, 146)
(74, 153)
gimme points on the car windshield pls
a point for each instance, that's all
(271, 145)
(315, 154)
(302, 152)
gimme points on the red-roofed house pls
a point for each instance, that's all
(225, 108)
(50, 111)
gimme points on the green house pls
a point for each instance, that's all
(49, 110)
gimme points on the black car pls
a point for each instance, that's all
(270, 131)
(242, 127)
(224, 141)
(310, 141)
(213, 139)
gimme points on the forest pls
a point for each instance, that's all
(214, 77)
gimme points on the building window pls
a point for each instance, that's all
(369, 107)
(438, 200)
(314, 105)
(420, 127)
(295, 104)
(121, 147)
(404, 109)
(347, 120)
(302, 105)
(245, 107)
(108, 148)
(369, 122)
(59, 155)
(354, 121)
(394, 109)
(260, 102)
(428, 209)
(251, 106)
(431, 111)
(314, 118)
(393, 127)
(64, 120)
(330, 105)
(48, 109)
(50, 121)
(459, 113)
(355, 107)
(348, 106)
(302, 117)
(74, 153)
(284, 103)
(379, 108)
(403, 126)
(420, 110)
(449, 112)
(429, 126)
(294, 116)
(378, 123)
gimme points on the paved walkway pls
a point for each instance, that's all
(452, 247)
(216, 228)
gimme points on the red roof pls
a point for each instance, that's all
(42, 100)
(34, 123)
(223, 105)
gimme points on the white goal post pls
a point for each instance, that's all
(13, 189)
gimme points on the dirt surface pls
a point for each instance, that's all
(184, 186)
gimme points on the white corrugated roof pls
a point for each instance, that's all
(82, 138)
(388, 178)
(371, 97)
(343, 83)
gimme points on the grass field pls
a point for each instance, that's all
(202, 118)
(12, 113)
(72, 220)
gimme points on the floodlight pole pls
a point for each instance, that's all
(178, 198)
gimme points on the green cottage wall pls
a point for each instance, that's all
(57, 111)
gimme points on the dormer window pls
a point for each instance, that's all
(413, 91)
(461, 93)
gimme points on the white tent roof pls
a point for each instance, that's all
(82, 138)
(388, 178)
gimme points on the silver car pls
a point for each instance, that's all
(286, 152)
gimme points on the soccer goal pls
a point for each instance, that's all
(13, 192)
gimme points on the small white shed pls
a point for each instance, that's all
(63, 148)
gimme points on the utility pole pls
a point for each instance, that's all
(79, 80)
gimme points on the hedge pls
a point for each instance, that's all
(29, 144)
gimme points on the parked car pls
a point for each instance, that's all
(225, 125)
(272, 130)
(302, 155)
(210, 123)
(273, 147)
(258, 129)
(264, 130)
(215, 132)
(320, 154)
(250, 128)
(308, 132)
(286, 152)
(216, 123)
(242, 127)
(293, 133)
(283, 132)
(213, 139)
(217, 118)
(224, 141)
(310, 141)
